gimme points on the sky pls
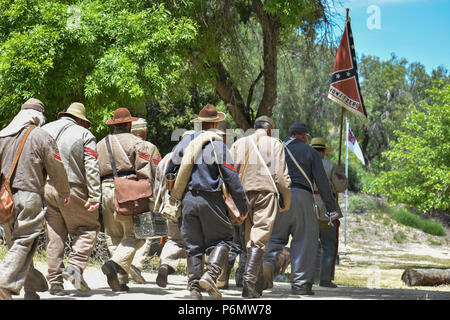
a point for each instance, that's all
(417, 30)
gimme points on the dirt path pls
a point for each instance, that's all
(176, 290)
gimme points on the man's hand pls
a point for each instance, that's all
(91, 205)
(67, 201)
(283, 210)
(331, 217)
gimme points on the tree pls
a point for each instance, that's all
(420, 158)
(105, 54)
(221, 51)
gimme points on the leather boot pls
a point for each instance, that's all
(163, 271)
(252, 273)
(110, 270)
(214, 266)
(222, 281)
(194, 266)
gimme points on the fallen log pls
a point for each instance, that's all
(426, 277)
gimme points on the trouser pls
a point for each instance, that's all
(204, 222)
(73, 219)
(174, 248)
(142, 254)
(120, 238)
(259, 223)
(329, 241)
(22, 236)
(301, 223)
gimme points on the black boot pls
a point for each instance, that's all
(252, 273)
(214, 266)
(195, 270)
(110, 269)
(163, 271)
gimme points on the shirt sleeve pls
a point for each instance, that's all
(282, 178)
(321, 180)
(55, 168)
(92, 168)
(231, 178)
(142, 161)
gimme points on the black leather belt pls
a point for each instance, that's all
(300, 186)
(119, 174)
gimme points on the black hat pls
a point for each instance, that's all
(298, 128)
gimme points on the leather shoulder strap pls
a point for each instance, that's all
(111, 158)
(19, 151)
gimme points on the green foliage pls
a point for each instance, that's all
(420, 158)
(400, 236)
(104, 54)
(407, 218)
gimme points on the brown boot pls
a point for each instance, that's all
(194, 266)
(224, 277)
(252, 273)
(214, 265)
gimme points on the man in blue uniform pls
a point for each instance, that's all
(204, 223)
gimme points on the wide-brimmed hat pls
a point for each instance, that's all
(76, 109)
(121, 115)
(320, 143)
(209, 113)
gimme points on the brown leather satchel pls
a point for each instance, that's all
(6, 195)
(131, 197)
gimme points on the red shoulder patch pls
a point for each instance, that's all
(90, 152)
(144, 156)
(229, 166)
(157, 160)
(57, 157)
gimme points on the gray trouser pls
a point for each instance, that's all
(22, 234)
(204, 222)
(329, 243)
(299, 221)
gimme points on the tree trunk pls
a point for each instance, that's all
(426, 277)
(271, 32)
(231, 96)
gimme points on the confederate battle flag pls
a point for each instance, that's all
(344, 88)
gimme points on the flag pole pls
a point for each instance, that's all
(346, 190)
(342, 114)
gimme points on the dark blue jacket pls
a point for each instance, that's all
(309, 159)
(205, 174)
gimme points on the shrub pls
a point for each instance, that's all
(400, 236)
(407, 218)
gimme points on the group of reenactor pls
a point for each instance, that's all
(285, 193)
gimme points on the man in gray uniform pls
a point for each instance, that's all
(300, 220)
(40, 156)
(329, 232)
(79, 219)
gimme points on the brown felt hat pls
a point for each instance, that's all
(209, 113)
(320, 143)
(121, 115)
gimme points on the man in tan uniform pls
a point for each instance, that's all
(139, 129)
(328, 232)
(174, 248)
(40, 156)
(133, 162)
(79, 219)
(262, 195)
